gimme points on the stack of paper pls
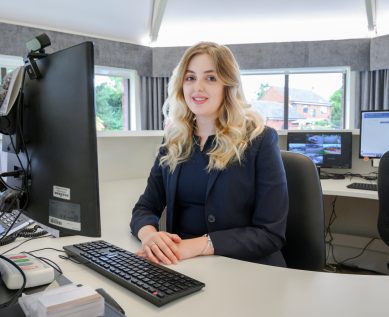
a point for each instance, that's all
(65, 301)
(9, 90)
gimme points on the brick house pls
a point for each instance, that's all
(307, 103)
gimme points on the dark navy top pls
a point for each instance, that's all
(191, 192)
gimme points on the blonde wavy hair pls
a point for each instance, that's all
(237, 124)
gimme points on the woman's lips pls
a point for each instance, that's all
(199, 100)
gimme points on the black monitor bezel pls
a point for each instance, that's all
(360, 133)
(344, 134)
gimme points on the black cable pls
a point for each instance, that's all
(359, 254)
(7, 185)
(14, 298)
(8, 239)
(49, 262)
(69, 258)
(54, 249)
(35, 234)
(328, 229)
(10, 227)
(13, 248)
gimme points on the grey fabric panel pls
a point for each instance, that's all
(165, 59)
(353, 53)
(13, 40)
(379, 53)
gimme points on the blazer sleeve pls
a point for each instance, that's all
(266, 235)
(148, 209)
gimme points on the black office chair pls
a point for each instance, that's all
(383, 198)
(305, 239)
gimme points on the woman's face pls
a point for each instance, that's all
(203, 91)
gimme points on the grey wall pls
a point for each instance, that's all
(353, 53)
(359, 54)
(13, 40)
(379, 53)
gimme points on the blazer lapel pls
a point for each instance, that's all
(211, 181)
(171, 195)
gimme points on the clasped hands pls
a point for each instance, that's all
(168, 248)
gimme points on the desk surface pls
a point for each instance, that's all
(338, 187)
(233, 288)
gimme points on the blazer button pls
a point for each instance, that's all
(211, 218)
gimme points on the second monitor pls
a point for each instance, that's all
(326, 149)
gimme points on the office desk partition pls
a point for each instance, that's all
(233, 287)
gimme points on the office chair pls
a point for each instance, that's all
(383, 198)
(305, 239)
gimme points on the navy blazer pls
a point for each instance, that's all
(246, 204)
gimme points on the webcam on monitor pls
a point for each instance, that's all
(35, 50)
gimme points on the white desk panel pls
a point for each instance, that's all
(338, 187)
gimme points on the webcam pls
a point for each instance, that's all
(35, 50)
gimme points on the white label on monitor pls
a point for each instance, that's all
(65, 214)
(61, 192)
(65, 223)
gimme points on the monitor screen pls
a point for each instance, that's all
(59, 129)
(374, 133)
(326, 149)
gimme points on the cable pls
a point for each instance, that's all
(13, 248)
(14, 298)
(49, 262)
(331, 238)
(10, 227)
(359, 254)
(328, 229)
(69, 258)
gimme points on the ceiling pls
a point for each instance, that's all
(185, 22)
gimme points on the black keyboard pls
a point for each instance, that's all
(155, 283)
(7, 220)
(364, 186)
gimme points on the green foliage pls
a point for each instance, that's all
(109, 104)
(336, 112)
(262, 90)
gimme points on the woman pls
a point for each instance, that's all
(218, 173)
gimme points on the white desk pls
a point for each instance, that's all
(233, 288)
(338, 187)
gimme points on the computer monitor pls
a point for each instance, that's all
(59, 131)
(374, 132)
(326, 149)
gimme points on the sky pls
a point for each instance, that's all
(324, 84)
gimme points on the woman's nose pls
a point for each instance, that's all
(199, 85)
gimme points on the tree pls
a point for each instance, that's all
(109, 103)
(262, 90)
(336, 104)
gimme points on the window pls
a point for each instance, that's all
(265, 92)
(116, 94)
(115, 98)
(313, 98)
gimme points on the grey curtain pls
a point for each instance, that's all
(153, 95)
(372, 91)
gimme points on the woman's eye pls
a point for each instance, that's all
(211, 78)
(189, 78)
